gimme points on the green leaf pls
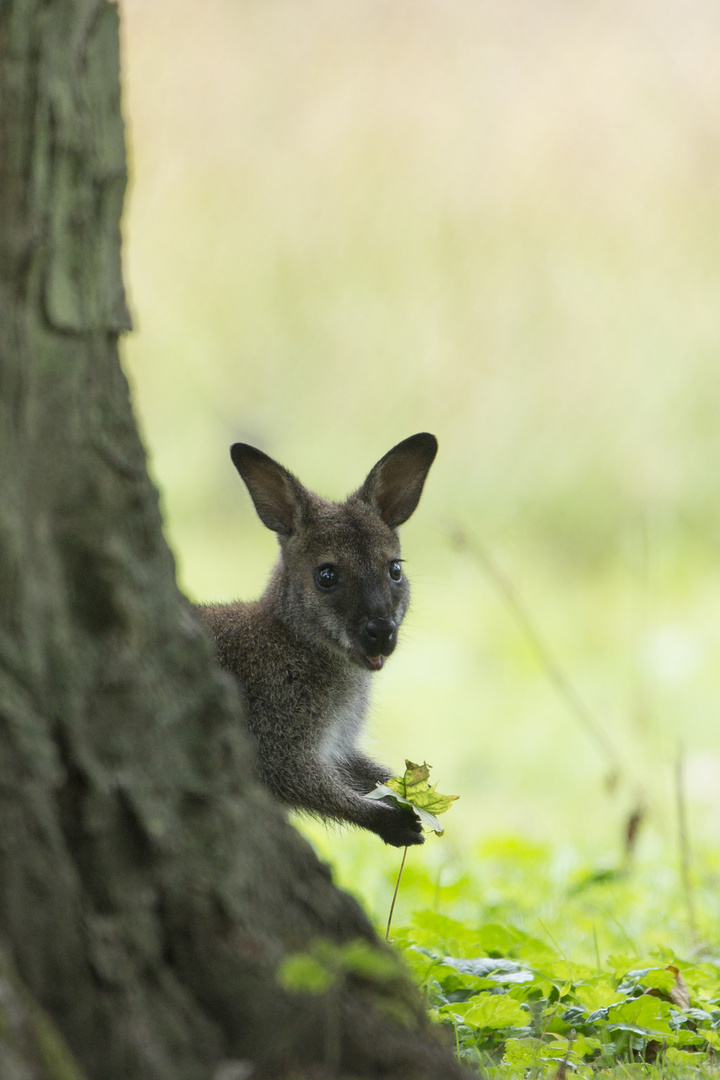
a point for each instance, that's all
(645, 1014)
(683, 1058)
(621, 964)
(413, 789)
(417, 789)
(690, 1038)
(524, 1053)
(414, 777)
(496, 1011)
(504, 940)
(499, 969)
(585, 1047)
(567, 974)
(654, 978)
(532, 1053)
(597, 993)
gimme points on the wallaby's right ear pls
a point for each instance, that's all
(395, 484)
(279, 497)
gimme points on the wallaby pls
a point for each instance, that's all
(306, 651)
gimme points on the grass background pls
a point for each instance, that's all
(349, 221)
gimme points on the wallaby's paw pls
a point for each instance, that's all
(403, 829)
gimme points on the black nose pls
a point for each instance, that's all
(379, 637)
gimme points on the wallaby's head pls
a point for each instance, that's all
(340, 581)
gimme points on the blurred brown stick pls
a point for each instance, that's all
(559, 680)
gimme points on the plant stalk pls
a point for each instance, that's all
(684, 844)
(397, 886)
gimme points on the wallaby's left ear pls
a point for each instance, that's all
(394, 486)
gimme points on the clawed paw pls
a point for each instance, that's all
(404, 830)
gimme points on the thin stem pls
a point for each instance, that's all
(564, 688)
(684, 843)
(397, 886)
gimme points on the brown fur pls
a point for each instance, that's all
(305, 652)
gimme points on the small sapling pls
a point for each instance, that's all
(413, 790)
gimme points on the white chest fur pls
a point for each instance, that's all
(344, 722)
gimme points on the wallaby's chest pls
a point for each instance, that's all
(294, 690)
(341, 725)
(322, 704)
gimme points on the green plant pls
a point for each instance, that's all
(521, 1004)
(413, 789)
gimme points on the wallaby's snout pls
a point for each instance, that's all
(378, 638)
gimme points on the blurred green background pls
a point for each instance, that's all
(351, 220)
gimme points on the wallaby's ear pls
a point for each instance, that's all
(395, 484)
(279, 497)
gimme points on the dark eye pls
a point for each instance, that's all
(395, 570)
(326, 576)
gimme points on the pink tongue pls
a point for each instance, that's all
(375, 662)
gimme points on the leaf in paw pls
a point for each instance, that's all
(412, 790)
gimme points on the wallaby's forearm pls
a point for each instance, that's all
(362, 774)
(314, 787)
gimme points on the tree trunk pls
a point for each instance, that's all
(148, 887)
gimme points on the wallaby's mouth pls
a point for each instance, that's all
(363, 660)
(374, 662)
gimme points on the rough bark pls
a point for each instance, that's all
(148, 887)
(30, 1046)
